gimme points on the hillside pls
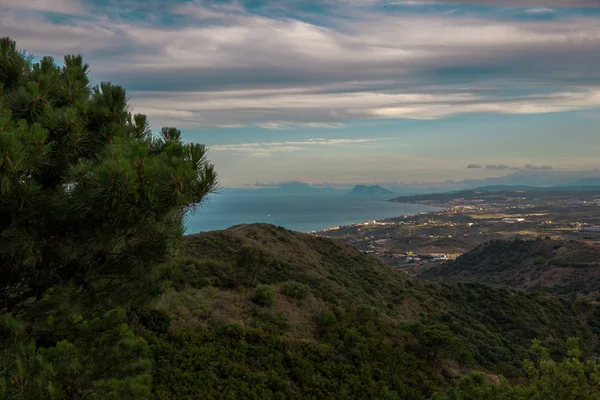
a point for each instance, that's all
(557, 266)
(369, 190)
(257, 311)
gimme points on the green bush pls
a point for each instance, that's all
(295, 290)
(263, 296)
(158, 321)
(326, 320)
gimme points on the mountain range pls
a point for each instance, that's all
(369, 190)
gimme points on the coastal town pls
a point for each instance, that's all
(465, 220)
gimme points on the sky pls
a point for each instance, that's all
(346, 91)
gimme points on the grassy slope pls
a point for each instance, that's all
(367, 318)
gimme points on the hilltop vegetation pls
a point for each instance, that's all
(356, 328)
(563, 267)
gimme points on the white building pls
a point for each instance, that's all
(512, 220)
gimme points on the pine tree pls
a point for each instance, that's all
(91, 201)
(87, 193)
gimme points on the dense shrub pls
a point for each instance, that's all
(295, 290)
(158, 321)
(263, 296)
(569, 379)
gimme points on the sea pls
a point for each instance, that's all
(303, 212)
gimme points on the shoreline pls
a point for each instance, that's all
(306, 214)
(390, 221)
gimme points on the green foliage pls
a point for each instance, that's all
(350, 338)
(326, 319)
(258, 362)
(249, 264)
(295, 290)
(474, 387)
(155, 320)
(87, 194)
(559, 267)
(569, 379)
(263, 296)
(439, 340)
(91, 202)
(103, 359)
(189, 271)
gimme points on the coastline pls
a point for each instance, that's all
(390, 221)
(306, 213)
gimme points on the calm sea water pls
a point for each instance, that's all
(299, 212)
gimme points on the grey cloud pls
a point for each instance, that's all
(259, 149)
(258, 70)
(497, 167)
(538, 167)
(474, 166)
(527, 3)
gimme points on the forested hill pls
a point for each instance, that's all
(557, 266)
(257, 311)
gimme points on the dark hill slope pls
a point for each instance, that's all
(334, 270)
(257, 311)
(557, 266)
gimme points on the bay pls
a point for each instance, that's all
(303, 212)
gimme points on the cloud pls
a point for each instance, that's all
(473, 166)
(315, 107)
(291, 125)
(269, 148)
(538, 167)
(497, 167)
(72, 7)
(223, 65)
(541, 10)
(526, 3)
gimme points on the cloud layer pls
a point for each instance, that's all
(202, 64)
(538, 167)
(269, 148)
(526, 3)
(497, 167)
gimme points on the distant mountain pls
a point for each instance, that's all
(585, 185)
(508, 187)
(586, 182)
(296, 187)
(494, 193)
(369, 190)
